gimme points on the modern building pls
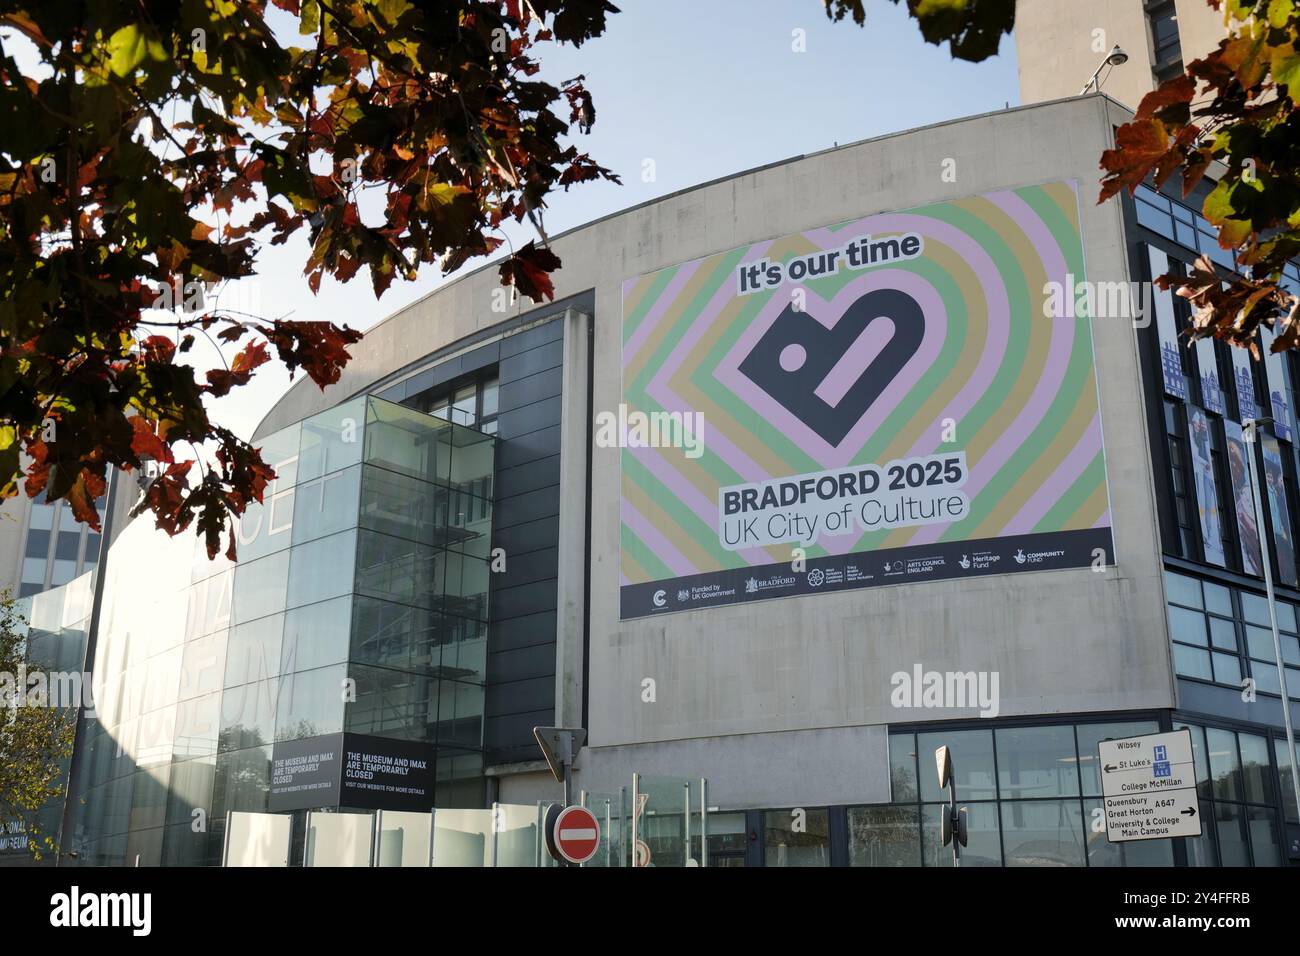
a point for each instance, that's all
(1059, 43)
(805, 473)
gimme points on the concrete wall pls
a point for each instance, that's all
(1056, 48)
(1062, 642)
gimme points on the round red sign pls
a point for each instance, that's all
(576, 834)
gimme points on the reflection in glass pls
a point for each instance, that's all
(785, 845)
(1042, 832)
(972, 758)
(1036, 762)
(311, 703)
(983, 847)
(884, 836)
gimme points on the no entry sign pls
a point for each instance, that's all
(574, 835)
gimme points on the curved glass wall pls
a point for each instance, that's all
(355, 620)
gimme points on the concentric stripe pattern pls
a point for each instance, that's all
(1019, 388)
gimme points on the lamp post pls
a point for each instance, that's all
(1116, 57)
(1249, 428)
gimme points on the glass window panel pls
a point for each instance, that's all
(1042, 832)
(260, 587)
(1290, 649)
(42, 516)
(972, 758)
(393, 635)
(1190, 662)
(1036, 762)
(407, 441)
(491, 393)
(1284, 772)
(471, 459)
(243, 781)
(1154, 220)
(203, 666)
(1200, 850)
(1231, 840)
(402, 506)
(884, 836)
(1187, 626)
(983, 846)
(191, 789)
(1255, 609)
(1265, 837)
(398, 570)
(1265, 677)
(902, 768)
(311, 703)
(1225, 770)
(1259, 641)
(69, 544)
(248, 715)
(465, 586)
(326, 505)
(322, 569)
(62, 572)
(332, 439)
(1223, 634)
(198, 726)
(1199, 758)
(38, 545)
(393, 703)
(1091, 735)
(1227, 669)
(34, 570)
(1101, 852)
(783, 846)
(460, 713)
(316, 635)
(465, 405)
(1256, 771)
(1285, 616)
(253, 650)
(1218, 599)
(208, 608)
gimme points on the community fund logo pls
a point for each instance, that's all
(76, 909)
(947, 690)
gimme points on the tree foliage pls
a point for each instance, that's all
(35, 739)
(1236, 106)
(162, 144)
(973, 29)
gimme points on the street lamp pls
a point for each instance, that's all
(1249, 428)
(1116, 57)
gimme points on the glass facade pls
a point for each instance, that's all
(57, 622)
(1032, 793)
(358, 605)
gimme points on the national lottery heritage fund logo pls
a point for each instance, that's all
(886, 401)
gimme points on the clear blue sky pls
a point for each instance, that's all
(705, 88)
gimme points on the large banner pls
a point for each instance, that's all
(906, 397)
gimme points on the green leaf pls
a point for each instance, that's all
(131, 46)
